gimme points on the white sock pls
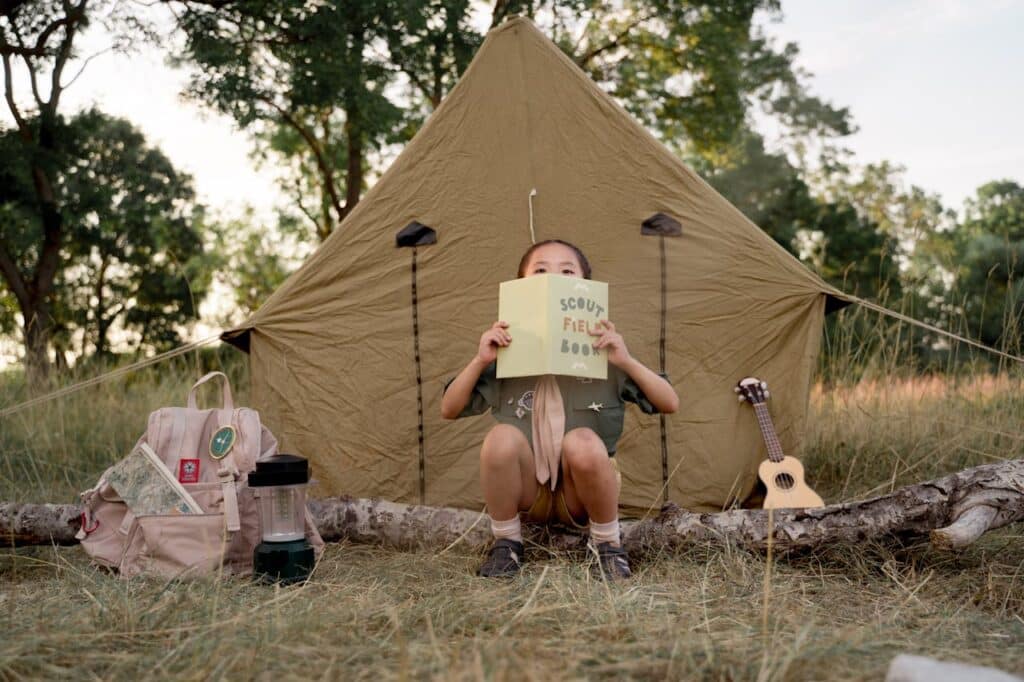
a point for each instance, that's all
(605, 532)
(508, 530)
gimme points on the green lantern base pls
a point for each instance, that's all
(283, 562)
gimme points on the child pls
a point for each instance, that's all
(551, 455)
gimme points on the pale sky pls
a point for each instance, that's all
(934, 85)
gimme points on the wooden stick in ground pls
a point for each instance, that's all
(955, 510)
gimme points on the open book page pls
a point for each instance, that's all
(148, 487)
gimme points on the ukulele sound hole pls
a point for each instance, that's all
(784, 481)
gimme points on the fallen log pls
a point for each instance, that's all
(953, 510)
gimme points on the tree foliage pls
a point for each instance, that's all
(132, 256)
(311, 81)
(39, 37)
(38, 48)
(324, 85)
(990, 264)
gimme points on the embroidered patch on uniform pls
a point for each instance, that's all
(585, 380)
(596, 407)
(520, 412)
(526, 401)
(188, 471)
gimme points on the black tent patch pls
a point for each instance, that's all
(661, 224)
(415, 234)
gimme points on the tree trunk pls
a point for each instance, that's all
(38, 331)
(955, 510)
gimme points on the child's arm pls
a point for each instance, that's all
(459, 391)
(658, 390)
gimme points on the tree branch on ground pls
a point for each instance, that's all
(953, 511)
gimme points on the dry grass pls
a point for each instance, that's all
(369, 613)
(867, 438)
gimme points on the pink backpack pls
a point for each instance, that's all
(220, 539)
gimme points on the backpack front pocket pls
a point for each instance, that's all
(176, 544)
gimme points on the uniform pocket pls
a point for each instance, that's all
(600, 411)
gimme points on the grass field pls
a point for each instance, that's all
(368, 613)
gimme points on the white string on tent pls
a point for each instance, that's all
(533, 193)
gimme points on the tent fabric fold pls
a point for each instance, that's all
(332, 351)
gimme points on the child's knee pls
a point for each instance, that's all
(584, 451)
(503, 444)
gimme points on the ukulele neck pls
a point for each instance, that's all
(764, 420)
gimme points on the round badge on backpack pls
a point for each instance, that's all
(222, 442)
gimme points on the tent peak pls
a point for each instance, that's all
(512, 21)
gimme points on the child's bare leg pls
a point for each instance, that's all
(507, 474)
(590, 482)
(510, 484)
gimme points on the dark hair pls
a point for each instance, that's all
(584, 263)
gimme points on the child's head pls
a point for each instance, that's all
(554, 256)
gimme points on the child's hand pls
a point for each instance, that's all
(612, 342)
(491, 339)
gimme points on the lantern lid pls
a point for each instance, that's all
(279, 470)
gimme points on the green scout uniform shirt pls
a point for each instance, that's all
(591, 403)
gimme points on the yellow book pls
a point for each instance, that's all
(549, 318)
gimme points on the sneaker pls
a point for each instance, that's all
(503, 561)
(612, 562)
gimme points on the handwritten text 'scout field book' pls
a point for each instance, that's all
(549, 318)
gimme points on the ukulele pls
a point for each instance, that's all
(783, 476)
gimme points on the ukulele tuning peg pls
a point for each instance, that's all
(741, 398)
(767, 394)
(764, 384)
(735, 389)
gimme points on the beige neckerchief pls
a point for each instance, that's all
(548, 429)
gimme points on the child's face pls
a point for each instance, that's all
(556, 259)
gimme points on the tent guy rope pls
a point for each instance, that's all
(932, 328)
(106, 376)
(181, 350)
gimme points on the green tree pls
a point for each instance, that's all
(323, 85)
(990, 272)
(694, 72)
(40, 36)
(846, 246)
(255, 260)
(768, 189)
(37, 48)
(311, 81)
(131, 256)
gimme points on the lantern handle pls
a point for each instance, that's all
(229, 403)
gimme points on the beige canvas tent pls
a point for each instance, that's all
(350, 356)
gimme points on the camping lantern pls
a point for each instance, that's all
(280, 484)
